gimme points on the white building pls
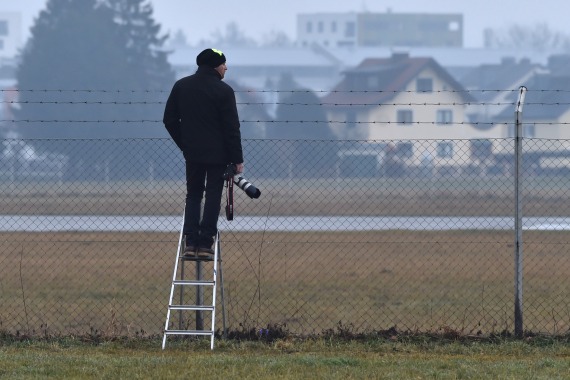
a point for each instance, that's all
(380, 29)
(327, 29)
(10, 34)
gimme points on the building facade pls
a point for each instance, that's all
(380, 29)
(405, 100)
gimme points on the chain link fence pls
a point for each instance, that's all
(416, 235)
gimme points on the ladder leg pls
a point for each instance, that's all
(215, 274)
(199, 297)
(180, 315)
(224, 328)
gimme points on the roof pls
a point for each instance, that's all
(352, 56)
(319, 65)
(445, 56)
(547, 98)
(393, 75)
(257, 56)
(502, 76)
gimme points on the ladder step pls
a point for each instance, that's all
(197, 259)
(194, 283)
(191, 307)
(189, 332)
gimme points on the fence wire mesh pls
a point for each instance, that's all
(416, 235)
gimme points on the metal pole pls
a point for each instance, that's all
(518, 217)
(199, 297)
(180, 315)
(224, 329)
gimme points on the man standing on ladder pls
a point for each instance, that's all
(201, 117)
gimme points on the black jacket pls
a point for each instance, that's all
(201, 117)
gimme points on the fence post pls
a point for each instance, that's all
(518, 216)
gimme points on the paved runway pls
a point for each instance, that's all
(44, 223)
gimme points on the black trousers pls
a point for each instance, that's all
(200, 179)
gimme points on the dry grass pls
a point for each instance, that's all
(299, 196)
(118, 283)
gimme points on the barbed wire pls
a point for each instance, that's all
(157, 138)
(290, 122)
(83, 102)
(82, 90)
(292, 91)
(410, 104)
(285, 103)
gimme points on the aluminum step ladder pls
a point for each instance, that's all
(179, 283)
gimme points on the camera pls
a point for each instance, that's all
(231, 175)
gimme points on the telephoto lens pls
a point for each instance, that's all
(250, 190)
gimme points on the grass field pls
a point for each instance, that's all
(92, 305)
(118, 283)
(461, 196)
(287, 359)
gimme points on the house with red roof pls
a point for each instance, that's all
(403, 100)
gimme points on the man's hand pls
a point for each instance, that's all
(239, 168)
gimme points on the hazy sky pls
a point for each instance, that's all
(199, 19)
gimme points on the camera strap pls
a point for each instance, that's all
(230, 199)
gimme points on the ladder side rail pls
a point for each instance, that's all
(173, 279)
(180, 317)
(215, 274)
(199, 296)
(221, 273)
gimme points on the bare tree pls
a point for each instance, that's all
(539, 37)
(233, 36)
(276, 38)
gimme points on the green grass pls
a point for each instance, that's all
(287, 359)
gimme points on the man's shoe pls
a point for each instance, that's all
(205, 252)
(190, 251)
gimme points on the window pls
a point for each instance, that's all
(350, 29)
(405, 116)
(320, 27)
(445, 149)
(424, 85)
(3, 28)
(453, 26)
(1, 44)
(309, 27)
(333, 26)
(444, 116)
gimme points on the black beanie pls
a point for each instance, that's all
(210, 57)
